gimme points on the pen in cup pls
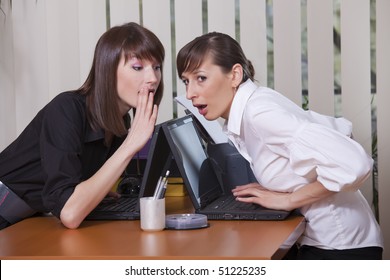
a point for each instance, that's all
(164, 189)
(161, 186)
(157, 189)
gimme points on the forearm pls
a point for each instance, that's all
(88, 194)
(308, 194)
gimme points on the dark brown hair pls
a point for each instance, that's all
(100, 87)
(223, 50)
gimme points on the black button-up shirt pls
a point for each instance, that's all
(54, 153)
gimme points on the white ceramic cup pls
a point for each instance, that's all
(152, 214)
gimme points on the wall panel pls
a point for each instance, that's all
(30, 60)
(188, 25)
(253, 36)
(7, 75)
(122, 11)
(157, 17)
(63, 57)
(383, 117)
(92, 24)
(355, 66)
(320, 56)
(221, 16)
(287, 49)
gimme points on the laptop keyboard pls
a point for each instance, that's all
(230, 202)
(122, 203)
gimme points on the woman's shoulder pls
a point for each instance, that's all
(264, 100)
(67, 101)
(267, 100)
(69, 105)
(69, 97)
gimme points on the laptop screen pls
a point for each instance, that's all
(199, 172)
(190, 150)
(159, 159)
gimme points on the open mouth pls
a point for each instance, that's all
(201, 109)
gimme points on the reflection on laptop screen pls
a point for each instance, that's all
(190, 149)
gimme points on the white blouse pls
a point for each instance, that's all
(289, 147)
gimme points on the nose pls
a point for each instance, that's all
(190, 92)
(152, 76)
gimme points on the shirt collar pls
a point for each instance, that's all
(233, 124)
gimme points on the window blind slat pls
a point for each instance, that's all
(287, 49)
(383, 114)
(188, 23)
(157, 18)
(253, 36)
(320, 56)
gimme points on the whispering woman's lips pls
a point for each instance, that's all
(149, 90)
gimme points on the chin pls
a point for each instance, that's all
(210, 118)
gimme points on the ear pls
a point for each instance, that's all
(237, 75)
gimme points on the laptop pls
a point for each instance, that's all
(209, 177)
(127, 206)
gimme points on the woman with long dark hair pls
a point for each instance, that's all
(75, 149)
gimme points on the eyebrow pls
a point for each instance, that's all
(197, 71)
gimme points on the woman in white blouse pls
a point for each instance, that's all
(301, 159)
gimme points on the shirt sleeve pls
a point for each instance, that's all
(339, 162)
(61, 143)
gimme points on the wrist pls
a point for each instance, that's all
(290, 205)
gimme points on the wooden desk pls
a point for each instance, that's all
(47, 238)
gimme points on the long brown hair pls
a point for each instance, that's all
(100, 87)
(223, 50)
